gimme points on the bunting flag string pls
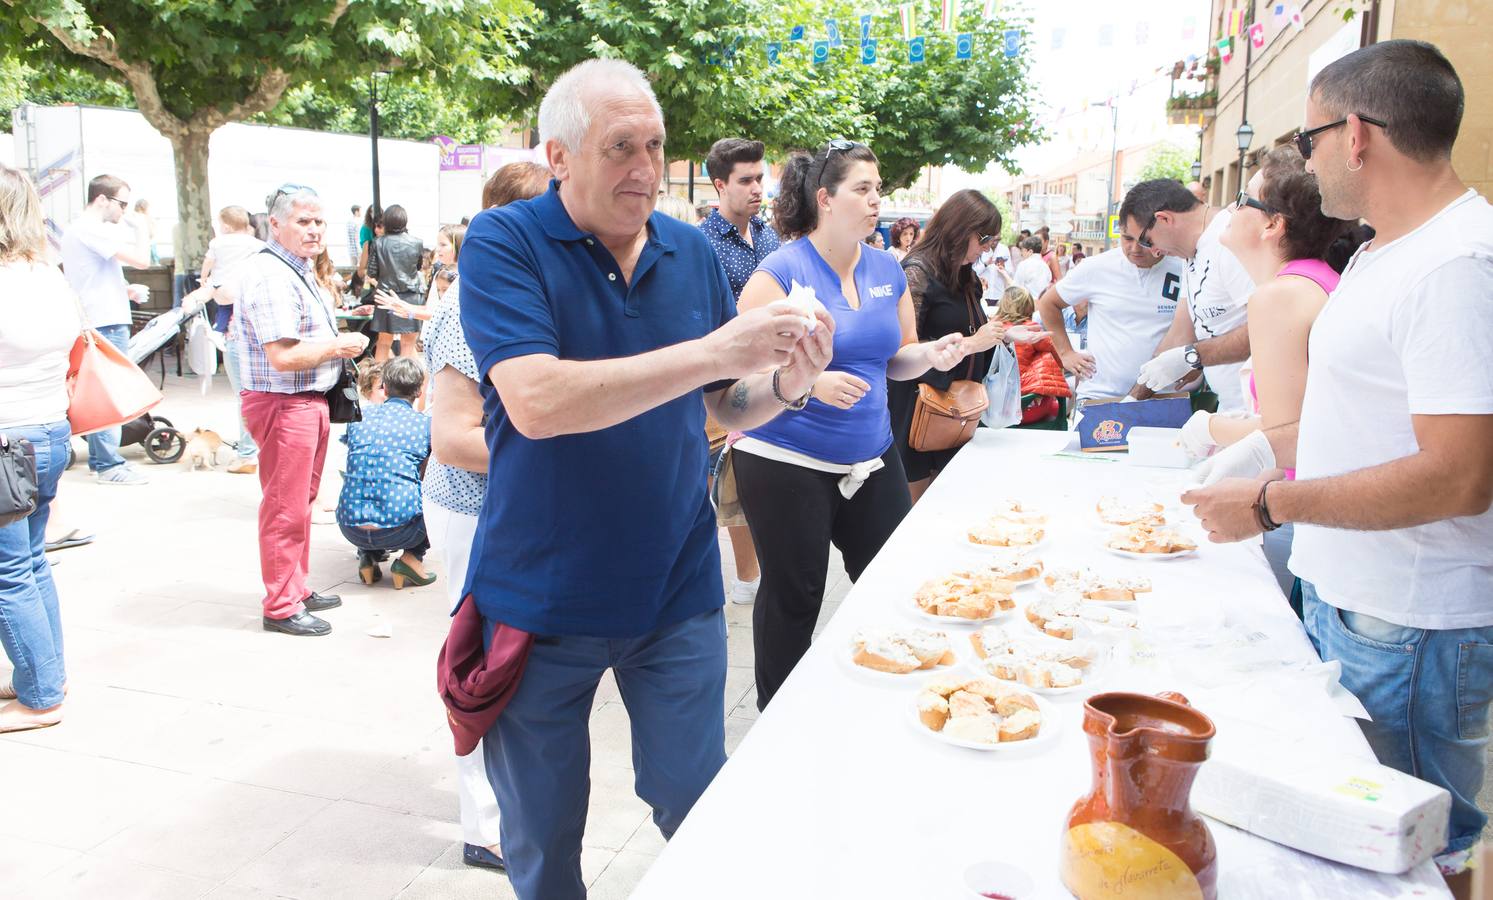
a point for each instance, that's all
(865, 28)
(909, 20)
(992, 9)
(917, 49)
(1225, 49)
(950, 14)
(832, 33)
(868, 52)
(1236, 22)
(1257, 36)
(964, 46)
(1012, 43)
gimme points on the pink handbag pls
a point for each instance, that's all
(104, 388)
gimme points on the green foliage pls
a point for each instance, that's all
(410, 105)
(710, 70)
(1169, 161)
(1009, 223)
(51, 83)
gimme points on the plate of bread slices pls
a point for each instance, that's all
(1068, 615)
(964, 597)
(888, 655)
(1017, 565)
(1096, 585)
(1150, 543)
(1047, 665)
(1010, 524)
(1115, 511)
(982, 713)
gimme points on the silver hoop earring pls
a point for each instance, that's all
(1350, 166)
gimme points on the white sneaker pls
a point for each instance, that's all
(123, 475)
(744, 592)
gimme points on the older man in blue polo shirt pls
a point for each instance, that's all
(605, 331)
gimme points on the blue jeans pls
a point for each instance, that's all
(247, 449)
(673, 683)
(103, 446)
(409, 537)
(30, 623)
(1429, 693)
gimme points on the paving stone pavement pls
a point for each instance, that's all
(203, 757)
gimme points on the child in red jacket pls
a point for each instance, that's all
(1041, 370)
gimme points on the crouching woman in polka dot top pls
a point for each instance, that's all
(379, 509)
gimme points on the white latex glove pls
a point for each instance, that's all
(1246, 459)
(1165, 370)
(1195, 437)
(138, 293)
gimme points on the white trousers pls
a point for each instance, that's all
(450, 534)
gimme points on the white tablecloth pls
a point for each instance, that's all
(835, 793)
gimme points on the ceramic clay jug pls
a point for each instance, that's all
(1134, 836)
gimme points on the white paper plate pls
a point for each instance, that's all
(892, 679)
(1093, 676)
(1046, 735)
(926, 617)
(1045, 591)
(992, 548)
(1150, 557)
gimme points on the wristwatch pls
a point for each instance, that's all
(1190, 353)
(792, 405)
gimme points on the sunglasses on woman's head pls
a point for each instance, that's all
(1244, 199)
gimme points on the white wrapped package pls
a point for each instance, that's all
(1330, 804)
(802, 297)
(1156, 447)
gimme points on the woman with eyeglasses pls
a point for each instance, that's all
(1281, 237)
(946, 300)
(826, 471)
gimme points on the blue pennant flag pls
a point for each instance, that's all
(868, 52)
(916, 48)
(773, 50)
(821, 51)
(832, 31)
(797, 34)
(1013, 43)
(865, 28)
(964, 46)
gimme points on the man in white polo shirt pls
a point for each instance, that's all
(1132, 295)
(95, 248)
(1208, 332)
(1394, 474)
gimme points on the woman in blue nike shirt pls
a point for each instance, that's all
(826, 470)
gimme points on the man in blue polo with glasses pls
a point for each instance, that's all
(1208, 334)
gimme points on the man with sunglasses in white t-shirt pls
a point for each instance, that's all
(1394, 478)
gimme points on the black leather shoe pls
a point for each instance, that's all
(318, 602)
(301, 624)
(482, 858)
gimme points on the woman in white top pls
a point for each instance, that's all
(39, 322)
(1032, 271)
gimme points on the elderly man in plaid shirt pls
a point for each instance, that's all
(289, 354)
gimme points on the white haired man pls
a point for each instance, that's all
(604, 331)
(285, 333)
(1394, 534)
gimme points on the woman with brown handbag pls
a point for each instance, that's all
(825, 472)
(38, 326)
(946, 297)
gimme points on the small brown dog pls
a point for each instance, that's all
(202, 449)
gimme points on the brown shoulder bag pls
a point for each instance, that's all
(946, 420)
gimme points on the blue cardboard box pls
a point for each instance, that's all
(1104, 424)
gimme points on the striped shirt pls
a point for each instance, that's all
(279, 299)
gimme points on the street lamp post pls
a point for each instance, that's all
(1197, 170)
(1114, 155)
(1245, 136)
(378, 208)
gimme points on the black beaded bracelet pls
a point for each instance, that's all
(1262, 511)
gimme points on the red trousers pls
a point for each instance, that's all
(292, 432)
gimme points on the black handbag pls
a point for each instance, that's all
(343, 405)
(18, 486)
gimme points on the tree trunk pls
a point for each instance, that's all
(193, 203)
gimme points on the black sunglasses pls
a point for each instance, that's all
(1304, 138)
(123, 204)
(1244, 199)
(1145, 234)
(837, 145)
(987, 239)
